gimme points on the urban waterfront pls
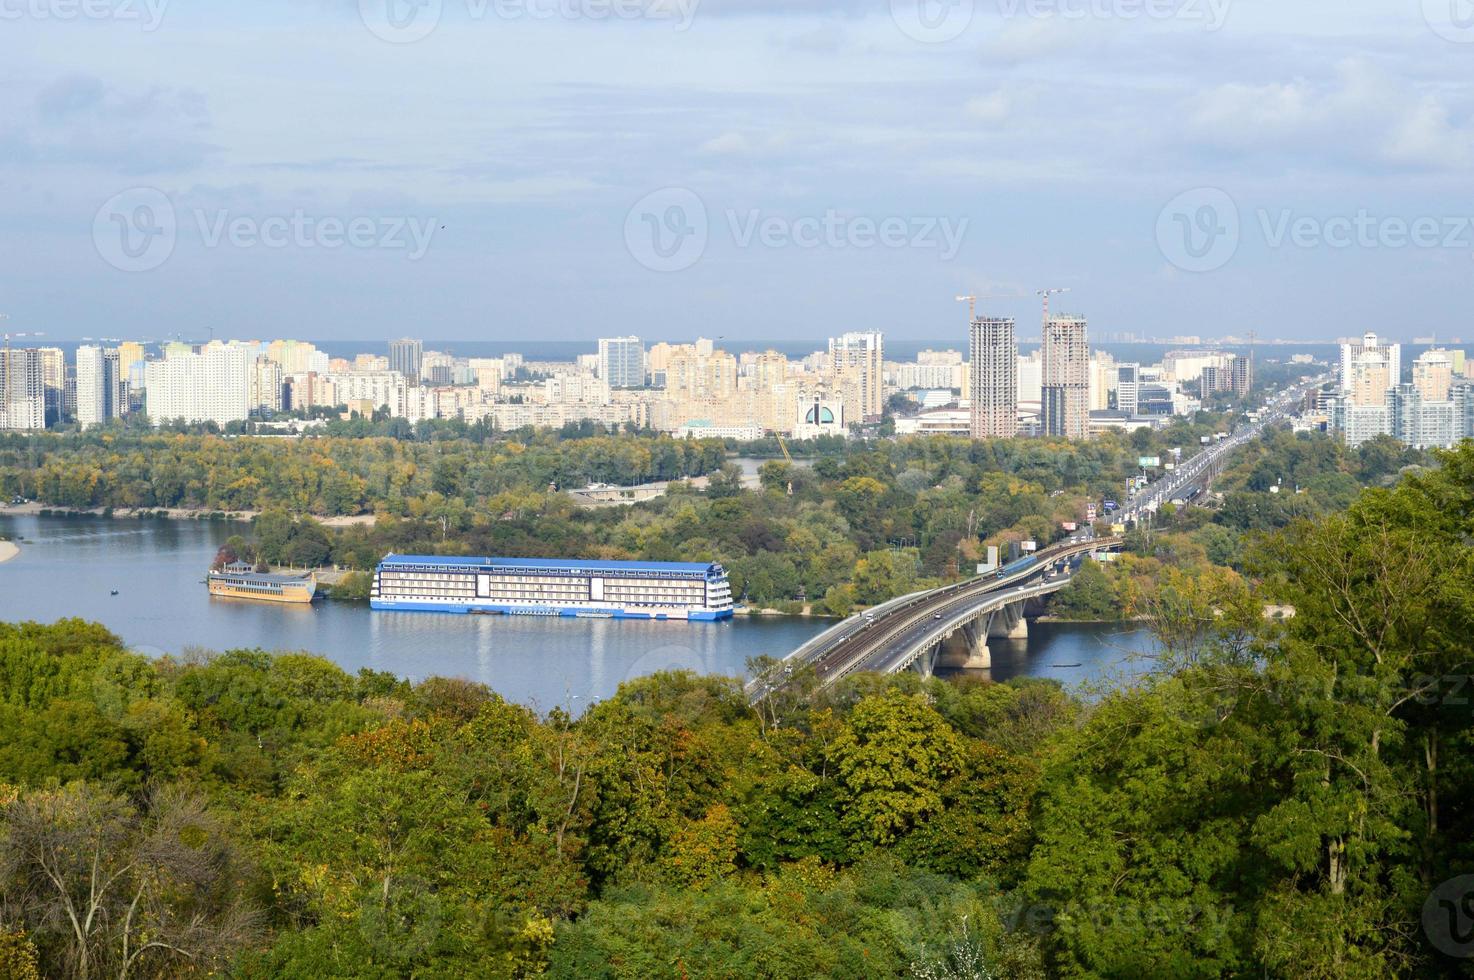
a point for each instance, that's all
(69, 567)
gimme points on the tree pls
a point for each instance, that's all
(1090, 596)
(893, 755)
(109, 889)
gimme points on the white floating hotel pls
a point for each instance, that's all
(552, 587)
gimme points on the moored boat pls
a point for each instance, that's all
(239, 580)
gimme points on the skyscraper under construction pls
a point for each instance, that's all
(993, 379)
(1066, 378)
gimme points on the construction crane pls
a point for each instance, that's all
(971, 299)
(786, 455)
(784, 446)
(1046, 293)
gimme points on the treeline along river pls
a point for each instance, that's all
(70, 567)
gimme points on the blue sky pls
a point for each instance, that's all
(747, 168)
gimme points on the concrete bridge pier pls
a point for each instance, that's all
(926, 664)
(1009, 623)
(967, 648)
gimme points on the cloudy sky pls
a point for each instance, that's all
(756, 169)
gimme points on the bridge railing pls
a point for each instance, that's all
(1049, 555)
(946, 627)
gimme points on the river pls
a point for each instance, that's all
(69, 566)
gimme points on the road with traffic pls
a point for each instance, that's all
(888, 637)
(1198, 469)
(873, 639)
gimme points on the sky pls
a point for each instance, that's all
(746, 169)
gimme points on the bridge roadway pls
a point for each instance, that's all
(892, 635)
(895, 634)
(1202, 468)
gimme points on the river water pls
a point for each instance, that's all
(69, 567)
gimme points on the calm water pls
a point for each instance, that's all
(69, 566)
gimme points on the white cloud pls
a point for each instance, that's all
(1361, 116)
(727, 144)
(994, 107)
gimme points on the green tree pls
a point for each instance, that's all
(893, 756)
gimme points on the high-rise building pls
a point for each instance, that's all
(993, 378)
(622, 362)
(129, 353)
(1369, 378)
(1241, 374)
(1188, 365)
(1102, 375)
(405, 356)
(211, 386)
(700, 371)
(1066, 378)
(436, 368)
(1031, 378)
(102, 390)
(1351, 350)
(54, 379)
(22, 389)
(266, 383)
(1421, 422)
(1128, 388)
(297, 356)
(1433, 375)
(861, 357)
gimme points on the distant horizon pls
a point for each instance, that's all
(791, 347)
(754, 168)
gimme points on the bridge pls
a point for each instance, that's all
(956, 621)
(920, 630)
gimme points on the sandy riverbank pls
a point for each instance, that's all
(174, 513)
(8, 550)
